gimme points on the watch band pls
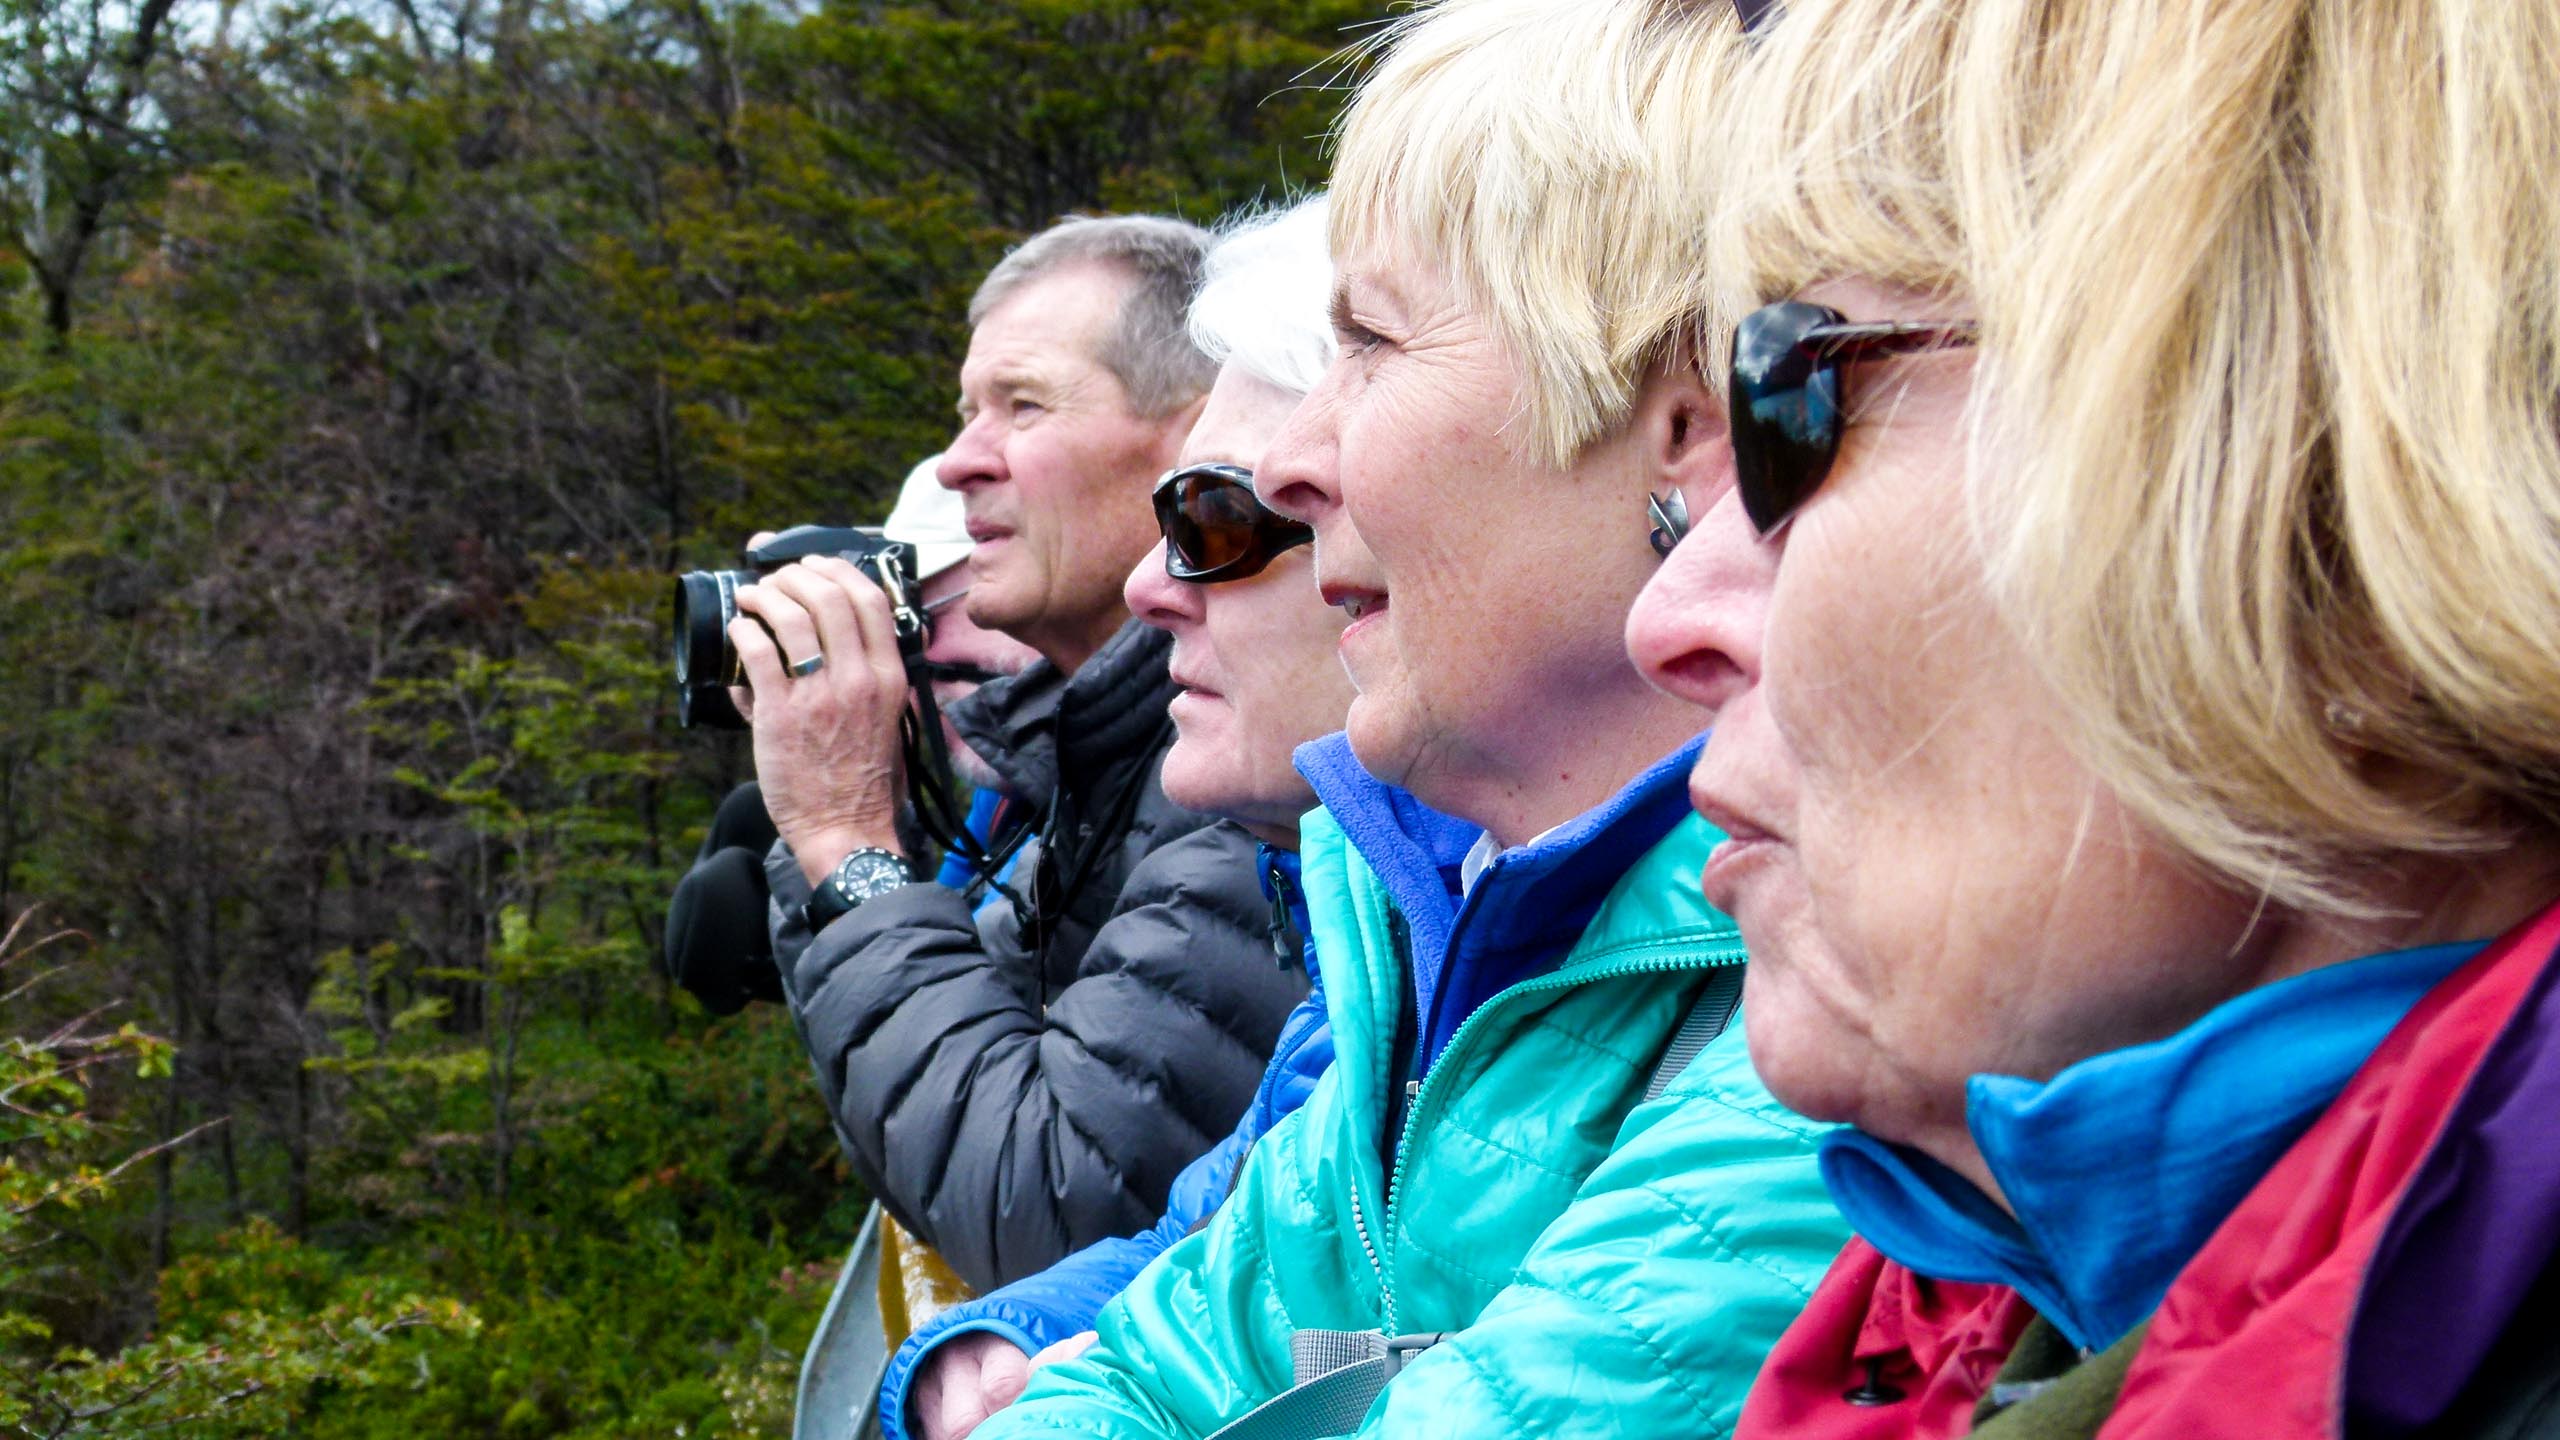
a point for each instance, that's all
(865, 874)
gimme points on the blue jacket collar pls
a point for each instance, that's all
(1413, 849)
(2122, 1166)
(1529, 908)
(1286, 889)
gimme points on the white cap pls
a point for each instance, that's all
(931, 519)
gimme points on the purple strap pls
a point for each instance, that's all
(2474, 1230)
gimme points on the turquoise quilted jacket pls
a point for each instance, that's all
(1609, 1265)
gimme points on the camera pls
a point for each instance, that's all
(707, 666)
(707, 600)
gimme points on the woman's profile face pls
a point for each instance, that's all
(1255, 656)
(1930, 882)
(1486, 591)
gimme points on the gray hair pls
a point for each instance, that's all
(1148, 351)
(1264, 296)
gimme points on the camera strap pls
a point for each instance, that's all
(1061, 879)
(938, 810)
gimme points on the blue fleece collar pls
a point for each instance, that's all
(2122, 1166)
(1531, 905)
(1414, 850)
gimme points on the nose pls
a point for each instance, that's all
(1696, 629)
(1300, 474)
(1157, 598)
(975, 456)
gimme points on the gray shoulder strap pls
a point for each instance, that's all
(1340, 1374)
(1699, 1028)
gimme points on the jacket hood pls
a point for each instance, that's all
(1529, 907)
(1109, 708)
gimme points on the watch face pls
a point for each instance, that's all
(866, 873)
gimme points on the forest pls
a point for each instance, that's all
(366, 366)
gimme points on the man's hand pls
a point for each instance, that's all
(826, 742)
(1067, 1349)
(964, 1381)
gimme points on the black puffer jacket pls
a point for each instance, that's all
(1012, 1102)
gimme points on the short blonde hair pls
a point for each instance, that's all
(1555, 159)
(2267, 420)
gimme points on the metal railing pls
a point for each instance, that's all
(840, 1376)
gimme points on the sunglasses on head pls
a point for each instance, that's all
(1787, 410)
(1215, 527)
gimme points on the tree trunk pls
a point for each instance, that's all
(297, 1194)
(57, 309)
(502, 1094)
(210, 1026)
(164, 1167)
(9, 765)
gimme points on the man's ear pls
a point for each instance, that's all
(1688, 446)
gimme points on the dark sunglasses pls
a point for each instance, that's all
(1786, 396)
(1215, 528)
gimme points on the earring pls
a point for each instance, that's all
(1667, 519)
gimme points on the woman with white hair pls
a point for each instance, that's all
(2133, 642)
(1541, 1191)
(1253, 654)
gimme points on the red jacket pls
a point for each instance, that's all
(2367, 1274)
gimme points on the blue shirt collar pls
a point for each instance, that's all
(2122, 1166)
(1531, 904)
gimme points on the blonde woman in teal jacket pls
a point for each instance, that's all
(1601, 1264)
(1502, 881)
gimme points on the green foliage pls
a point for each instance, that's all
(653, 1275)
(363, 372)
(48, 1137)
(265, 1325)
(257, 1337)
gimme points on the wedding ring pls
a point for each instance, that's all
(811, 666)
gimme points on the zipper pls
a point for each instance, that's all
(1386, 1292)
(1405, 1052)
(1399, 1050)
(1286, 948)
(1417, 1090)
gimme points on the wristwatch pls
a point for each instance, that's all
(863, 875)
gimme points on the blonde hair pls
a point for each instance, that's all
(2267, 420)
(1553, 158)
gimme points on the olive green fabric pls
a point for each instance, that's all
(2066, 1396)
(2515, 1395)
(1617, 1266)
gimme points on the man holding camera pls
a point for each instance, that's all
(1015, 1085)
(719, 943)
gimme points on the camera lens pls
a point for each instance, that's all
(705, 601)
